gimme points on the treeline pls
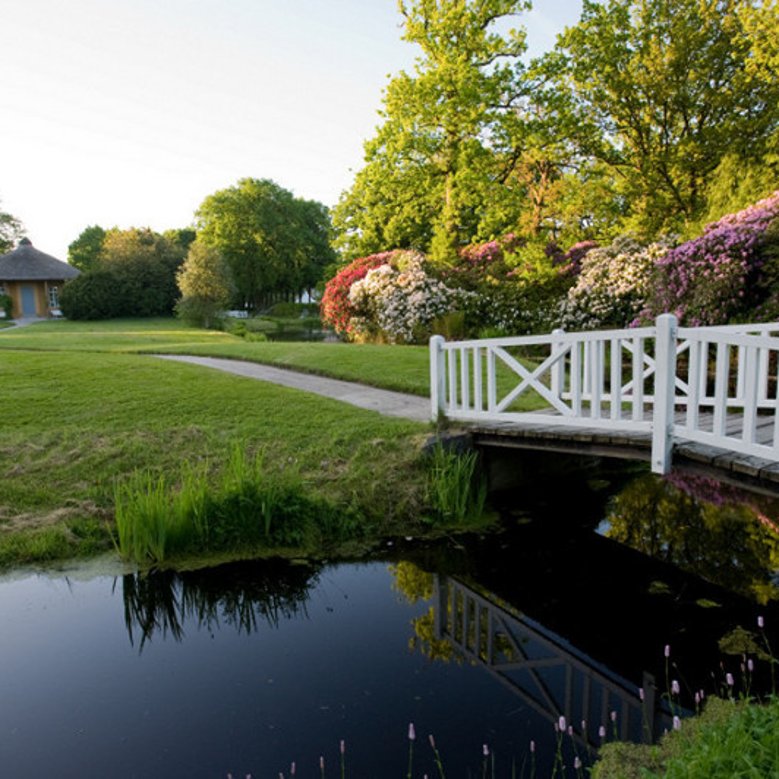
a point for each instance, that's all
(253, 244)
(647, 117)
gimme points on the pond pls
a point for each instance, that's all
(482, 639)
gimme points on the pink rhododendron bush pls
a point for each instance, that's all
(391, 296)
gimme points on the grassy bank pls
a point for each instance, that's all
(730, 739)
(76, 422)
(82, 413)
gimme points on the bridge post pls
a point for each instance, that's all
(665, 391)
(437, 377)
(558, 369)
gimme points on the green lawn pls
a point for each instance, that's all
(74, 422)
(399, 368)
(83, 407)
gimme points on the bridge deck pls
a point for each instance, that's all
(633, 445)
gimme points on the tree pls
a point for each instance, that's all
(275, 244)
(431, 169)
(126, 273)
(205, 285)
(11, 232)
(146, 264)
(84, 253)
(663, 91)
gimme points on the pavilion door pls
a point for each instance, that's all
(28, 300)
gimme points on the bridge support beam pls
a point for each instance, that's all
(437, 378)
(665, 388)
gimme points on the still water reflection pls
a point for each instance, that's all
(483, 639)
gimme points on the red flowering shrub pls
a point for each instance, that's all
(336, 310)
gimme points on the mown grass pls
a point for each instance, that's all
(113, 335)
(76, 422)
(398, 368)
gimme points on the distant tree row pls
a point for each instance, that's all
(648, 117)
(252, 245)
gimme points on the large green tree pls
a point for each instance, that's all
(126, 273)
(84, 253)
(663, 90)
(146, 264)
(433, 167)
(11, 231)
(276, 245)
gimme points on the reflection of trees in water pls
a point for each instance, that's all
(720, 533)
(241, 595)
(415, 584)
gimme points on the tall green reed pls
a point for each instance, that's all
(456, 489)
(243, 505)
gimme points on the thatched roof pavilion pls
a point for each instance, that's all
(33, 279)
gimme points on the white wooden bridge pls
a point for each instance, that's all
(708, 392)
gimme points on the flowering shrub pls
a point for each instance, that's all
(516, 285)
(479, 262)
(613, 284)
(337, 311)
(713, 279)
(400, 300)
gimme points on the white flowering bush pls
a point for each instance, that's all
(613, 285)
(400, 300)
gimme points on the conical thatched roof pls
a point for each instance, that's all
(26, 263)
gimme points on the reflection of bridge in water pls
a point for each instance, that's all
(547, 673)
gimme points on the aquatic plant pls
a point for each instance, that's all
(456, 489)
(244, 506)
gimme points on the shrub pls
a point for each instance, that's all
(6, 305)
(95, 294)
(613, 284)
(400, 300)
(516, 285)
(337, 310)
(716, 277)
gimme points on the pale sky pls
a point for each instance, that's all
(131, 112)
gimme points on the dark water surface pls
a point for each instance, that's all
(478, 640)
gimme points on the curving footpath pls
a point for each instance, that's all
(394, 404)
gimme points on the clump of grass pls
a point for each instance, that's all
(76, 538)
(40, 545)
(456, 489)
(730, 738)
(244, 507)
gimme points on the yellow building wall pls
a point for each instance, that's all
(41, 289)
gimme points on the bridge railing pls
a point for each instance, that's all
(713, 385)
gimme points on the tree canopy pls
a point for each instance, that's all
(275, 245)
(126, 273)
(205, 284)
(648, 116)
(434, 163)
(11, 231)
(84, 253)
(663, 92)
